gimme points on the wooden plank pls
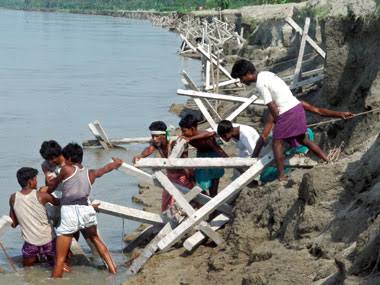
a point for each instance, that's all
(298, 29)
(309, 73)
(148, 251)
(194, 87)
(213, 61)
(117, 141)
(148, 178)
(178, 148)
(195, 162)
(198, 237)
(188, 43)
(308, 81)
(224, 83)
(138, 173)
(189, 196)
(129, 213)
(203, 199)
(232, 189)
(210, 107)
(205, 113)
(301, 53)
(205, 95)
(188, 209)
(241, 108)
(142, 237)
(97, 136)
(5, 224)
(99, 133)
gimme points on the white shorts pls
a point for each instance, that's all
(75, 218)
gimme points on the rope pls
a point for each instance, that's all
(339, 119)
(10, 261)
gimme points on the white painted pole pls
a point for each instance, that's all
(297, 71)
(195, 162)
(299, 30)
(232, 189)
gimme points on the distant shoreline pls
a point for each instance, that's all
(113, 13)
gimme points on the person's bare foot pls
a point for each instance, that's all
(282, 178)
(66, 268)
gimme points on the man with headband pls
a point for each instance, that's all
(163, 145)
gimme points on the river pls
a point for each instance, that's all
(58, 72)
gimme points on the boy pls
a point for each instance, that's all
(287, 111)
(164, 146)
(27, 210)
(51, 151)
(245, 137)
(76, 213)
(206, 146)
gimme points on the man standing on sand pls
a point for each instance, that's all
(286, 110)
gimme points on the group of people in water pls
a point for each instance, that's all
(68, 183)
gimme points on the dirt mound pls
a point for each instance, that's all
(352, 75)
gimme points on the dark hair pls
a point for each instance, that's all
(242, 67)
(158, 126)
(24, 174)
(73, 152)
(50, 149)
(224, 127)
(189, 121)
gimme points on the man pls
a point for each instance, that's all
(205, 144)
(287, 112)
(245, 136)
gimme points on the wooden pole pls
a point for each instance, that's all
(188, 209)
(198, 237)
(148, 178)
(299, 30)
(195, 162)
(129, 213)
(297, 72)
(232, 189)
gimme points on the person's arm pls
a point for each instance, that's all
(264, 135)
(146, 152)
(200, 135)
(45, 198)
(96, 173)
(53, 183)
(273, 110)
(215, 147)
(326, 112)
(12, 213)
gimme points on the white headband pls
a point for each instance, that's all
(158, 132)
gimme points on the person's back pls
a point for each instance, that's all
(76, 188)
(33, 219)
(76, 213)
(27, 209)
(248, 137)
(273, 88)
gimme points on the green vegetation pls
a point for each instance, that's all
(111, 5)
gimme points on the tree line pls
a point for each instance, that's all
(109, 5)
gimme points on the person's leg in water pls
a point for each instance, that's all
(29, 261)
(303, 139)
(214, 187)
(279, 158)
(92, 235)
(63, 244)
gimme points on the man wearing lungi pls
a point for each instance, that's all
(287, 111)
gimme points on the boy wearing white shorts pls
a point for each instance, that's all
(76, 212)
